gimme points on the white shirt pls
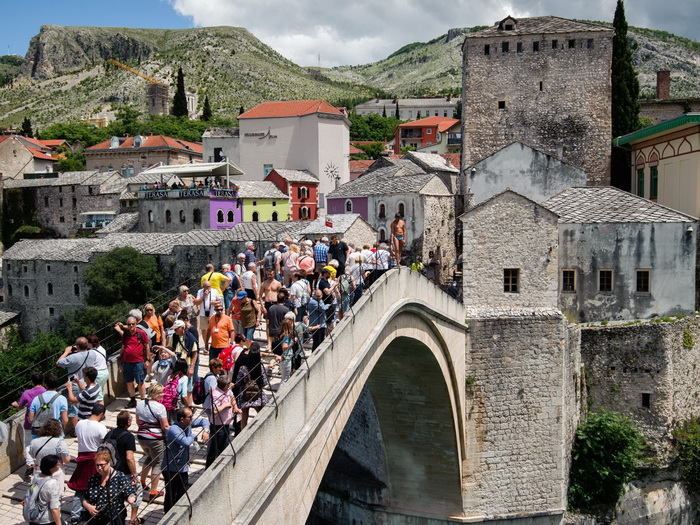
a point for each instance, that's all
(247, 280)
(90, 435)
(208, 303)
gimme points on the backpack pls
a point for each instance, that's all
(345, 284)
(199, 391)
(32, 509)
(306, 297)
(269, 259)
(44, 413)
(110, 445)
(251, 389)
(169, 399)
(227, 359)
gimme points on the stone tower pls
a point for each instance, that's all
(544, 81)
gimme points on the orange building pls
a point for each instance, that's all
(424, 133)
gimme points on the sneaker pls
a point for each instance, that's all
(153, 494)
(131, 403)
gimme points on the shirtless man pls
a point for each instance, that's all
(398, 237)
(268, 290)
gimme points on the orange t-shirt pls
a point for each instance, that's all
(156, 324)
(219, 331)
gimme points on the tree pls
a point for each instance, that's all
(70, 161)
(625, 98)
(27, 128)
(604, 457)
(241, 110)
(373, 150)
(397, 115)
(122, 274)
(418, 116)
(384, 112)
(180, 98)
(206, 110)
(625, 84)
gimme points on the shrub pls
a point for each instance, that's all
(604, 457)
(688, 445)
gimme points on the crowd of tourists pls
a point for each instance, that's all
(252, 321)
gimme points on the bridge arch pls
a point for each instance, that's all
(282, 456)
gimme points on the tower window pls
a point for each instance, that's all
(505, 47)
(501, 104)
(536, 46)
(519, 47)
(555, 44)
(511, 277)
(487, 49)
(572, 43)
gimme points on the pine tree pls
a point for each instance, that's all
(241, 110)
(625, 98)
(625, 84)
(384, 112)
(27, 128)
(180, 98)
(206, 110)
(396, 113)
(418, 116)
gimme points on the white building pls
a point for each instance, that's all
(307, 135)
(411, 108)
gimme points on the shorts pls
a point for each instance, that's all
(398, 237)
(203, 322)
(138, 490)
(249, 333)
(134, 372)
(153, 450)
(102, 377)
(73, 409)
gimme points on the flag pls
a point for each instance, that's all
(329, 223)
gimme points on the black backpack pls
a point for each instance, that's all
(43, 413)
(199, 392)
(269, 259)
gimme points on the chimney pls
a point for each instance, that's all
(663, 85)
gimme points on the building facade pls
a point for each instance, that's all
(410, 108)
(301, 187)
(665, 161)
(543, 81)
(433, 134)
(132, 155)
(19, 156)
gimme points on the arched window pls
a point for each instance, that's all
(114, 142)
(130, 170)
(382, 234)
(76, 289)
(26, 291)
(382, 211)
(274, 216)
(303, 193)
(274, 203)
(197, 216)
(348, 206)
(304, 212)
(49, 289)
(168, 216)
(123, 170)
(401, 209)
(229, 216)
(183, 219)
(220, 216)
(150, 215)
(255, 216)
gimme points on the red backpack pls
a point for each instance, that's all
(227, 358)
(169, 399)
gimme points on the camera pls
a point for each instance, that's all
(71, 378)
(206, 313)
(73, 349)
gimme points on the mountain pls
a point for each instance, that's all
(65, 76)
(424, 68)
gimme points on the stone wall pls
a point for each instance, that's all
(660, 110)
(522, 410)
(626, 363)
(556, 100)
(510, 232)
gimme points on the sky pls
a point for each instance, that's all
(342, 33)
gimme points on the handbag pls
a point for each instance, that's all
(251, 390)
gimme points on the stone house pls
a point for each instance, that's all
(133, 155)
(426, 201)
(523, 169)
(665, 162)
(511, 247)
(544, 81)
(623, 257)
(302, 188)
(70, 202)
(348, 226)
(19, 155)
(435, 134)
(298, 135)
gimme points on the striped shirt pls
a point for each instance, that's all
(87, 399)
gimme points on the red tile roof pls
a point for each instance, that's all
(356, 165)
(354, 150)
(454, 158)
(152, 141)
(442, 123)
(53, 143)
(290, 108)
(40, 154)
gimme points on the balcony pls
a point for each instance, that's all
(454, 139)
(189, 193)
(411, 133)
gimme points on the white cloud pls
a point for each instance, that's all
(367, 30)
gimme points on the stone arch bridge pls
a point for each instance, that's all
(427, 413)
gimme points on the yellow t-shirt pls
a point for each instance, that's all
(216, 280)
